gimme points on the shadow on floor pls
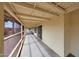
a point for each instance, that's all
(50, 51)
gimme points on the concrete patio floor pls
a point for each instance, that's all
(36, 48)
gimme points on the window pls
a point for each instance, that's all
(11, 26)
(17, 27)
(40, 31)
(8, 25)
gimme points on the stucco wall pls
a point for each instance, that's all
(53, 34)
(71, 33)
(74, 33)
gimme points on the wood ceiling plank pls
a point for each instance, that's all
(58, 6)
(28, 15)
(39, 9)
(31, 18)
(75, 7)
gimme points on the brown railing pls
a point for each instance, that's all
(15, 50)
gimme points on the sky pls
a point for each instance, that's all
(8, 24)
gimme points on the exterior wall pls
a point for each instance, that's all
(71, 32)
(63, 31)
(74, 32)
(53, 34)
(1, 30)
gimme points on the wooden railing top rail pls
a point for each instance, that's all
(12, 35)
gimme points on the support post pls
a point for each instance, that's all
(1, 30)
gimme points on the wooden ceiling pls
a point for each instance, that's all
(33, 14)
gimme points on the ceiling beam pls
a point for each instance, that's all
(28, 15)
(30, 24)
(14, 10)
(10, 11)
(49, 5)
(8, 15)
(31, 19)
(58, 6)
(37, 8)
(27, 24)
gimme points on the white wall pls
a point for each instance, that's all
(61, 34)
(53, 34)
